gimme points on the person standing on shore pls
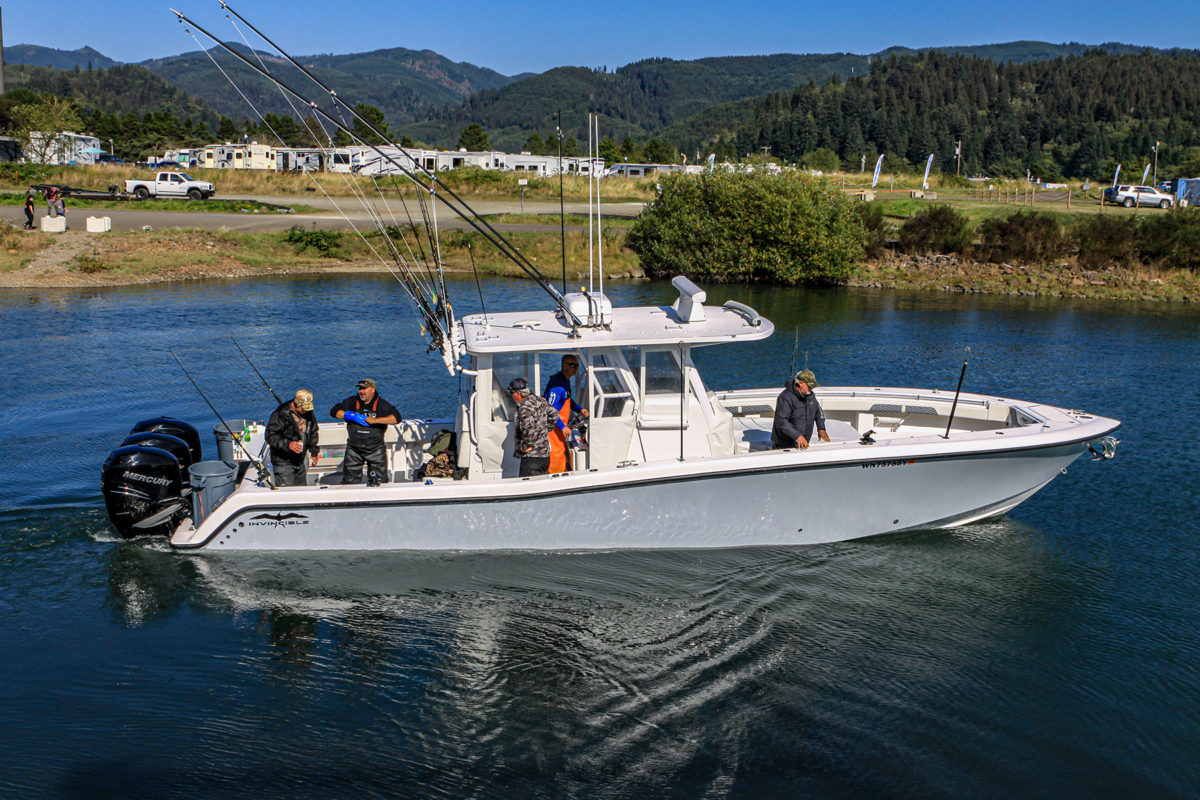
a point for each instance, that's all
(29, 210)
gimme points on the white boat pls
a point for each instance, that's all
(670, 462)
(664, 468)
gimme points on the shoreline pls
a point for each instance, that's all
(57, 267)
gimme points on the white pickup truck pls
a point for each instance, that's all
(170, 184)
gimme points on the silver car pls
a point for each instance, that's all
(1128, 196)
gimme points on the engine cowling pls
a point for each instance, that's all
(172, 427)
(143, 490)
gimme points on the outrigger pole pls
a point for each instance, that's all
(468, 214)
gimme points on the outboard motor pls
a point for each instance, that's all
(172, 427)
(144, 490)
(172, 444)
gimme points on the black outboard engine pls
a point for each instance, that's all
(172, 444)
(143, 490)
(145, 481)
(171, 427)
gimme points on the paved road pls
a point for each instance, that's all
(327, 218)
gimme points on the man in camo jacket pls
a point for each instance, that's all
(535, 419)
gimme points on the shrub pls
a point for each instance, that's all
(90, 263)
(876, 229)
(1171, 239)
(324, 242)
(1023, 238)
(937, 229)
(756, 226)
(1105, 240)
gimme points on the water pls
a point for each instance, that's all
(1050, 654)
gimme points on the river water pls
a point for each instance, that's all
(1050, 654)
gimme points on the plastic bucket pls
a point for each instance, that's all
(212, 482)
(248, 434)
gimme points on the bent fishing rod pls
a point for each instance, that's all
(256, 372)
(260, 468)
(482, 226)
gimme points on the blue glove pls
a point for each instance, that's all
(355, 417)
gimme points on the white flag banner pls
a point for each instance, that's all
(1145, 173)
(878, 166)
(1116, 176)
(925, 180)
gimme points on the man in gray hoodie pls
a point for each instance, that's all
(797, 412)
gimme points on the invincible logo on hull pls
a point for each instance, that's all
(277, 520)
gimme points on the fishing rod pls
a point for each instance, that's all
(481, 225)
(954, 405)
(562, 217)
(263, 474)
(256, 372)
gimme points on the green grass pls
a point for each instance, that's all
(577, 220)
(155, 204)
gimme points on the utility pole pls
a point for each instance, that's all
(958, 157)
(1156, 164)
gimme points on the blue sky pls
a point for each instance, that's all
(535, 36)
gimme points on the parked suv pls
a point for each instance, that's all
(1141, 195)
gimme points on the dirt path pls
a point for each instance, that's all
(53, 265)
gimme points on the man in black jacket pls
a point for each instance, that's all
(292, 433)
(367, 416)
(796, 413)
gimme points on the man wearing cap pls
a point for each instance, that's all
(291, 433)
(796, 413)
(367, 416)
(535, 419)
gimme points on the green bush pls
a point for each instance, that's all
(876, 229)
(1170, 239)
(1105, 240)
(1023, 238)
(756, 226)
(937, 229)
(324, 242)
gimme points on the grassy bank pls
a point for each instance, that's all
(213, 206)
(468, 183)
(148, 257)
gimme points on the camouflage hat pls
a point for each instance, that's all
(304, 400)
(366, 382)
(806, 376)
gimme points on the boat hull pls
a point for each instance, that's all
(803, 501)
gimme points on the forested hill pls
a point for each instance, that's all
(642, 98)
(119, 90)
(633, 100)
(1069, 117)
(404, 84)
(38, 56)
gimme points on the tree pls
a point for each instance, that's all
(535, 144)
(474, 137)
(407, 143)
(658, 153)
(226, 129)
(376, 119)
(822, 159)
(608, 150)
(629, 151)
(755, 226)
(48, 117)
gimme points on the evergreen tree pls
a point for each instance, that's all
(474, 137)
